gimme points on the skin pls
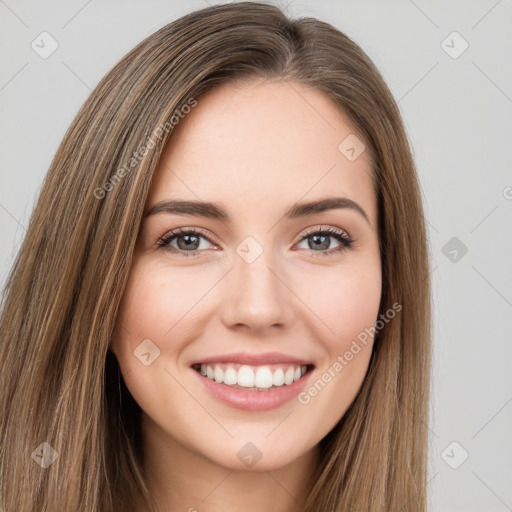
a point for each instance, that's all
(254, 148)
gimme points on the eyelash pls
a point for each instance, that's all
(345, 240)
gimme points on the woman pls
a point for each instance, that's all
(223, 298)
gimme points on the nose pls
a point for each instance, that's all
(256, 295)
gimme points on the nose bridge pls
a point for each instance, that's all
(255, 293)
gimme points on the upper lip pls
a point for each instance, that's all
(254, 359)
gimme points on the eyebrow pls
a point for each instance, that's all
(215, 211)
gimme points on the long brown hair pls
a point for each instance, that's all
(59, 381)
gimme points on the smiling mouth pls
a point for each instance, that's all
(253, 378)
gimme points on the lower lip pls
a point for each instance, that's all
(254, 401)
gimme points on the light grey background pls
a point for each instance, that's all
(458, 114)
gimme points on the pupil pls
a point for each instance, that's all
(188, 241)
(325, 244)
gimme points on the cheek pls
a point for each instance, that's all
(156, 301)
(347, 308)
(355, 305)
(347, 304)
(154, 307)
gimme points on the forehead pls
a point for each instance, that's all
(263, 144)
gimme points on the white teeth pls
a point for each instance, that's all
(245, 377)
(260, 377)
(263, 377)
(288, 376)
(278, 377)
(218, 374)
(230, 377)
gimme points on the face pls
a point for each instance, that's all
(254, 290)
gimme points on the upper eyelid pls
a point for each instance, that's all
(323, 228)
(186, 230)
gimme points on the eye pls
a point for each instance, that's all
(319, 238)
(188, 241)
